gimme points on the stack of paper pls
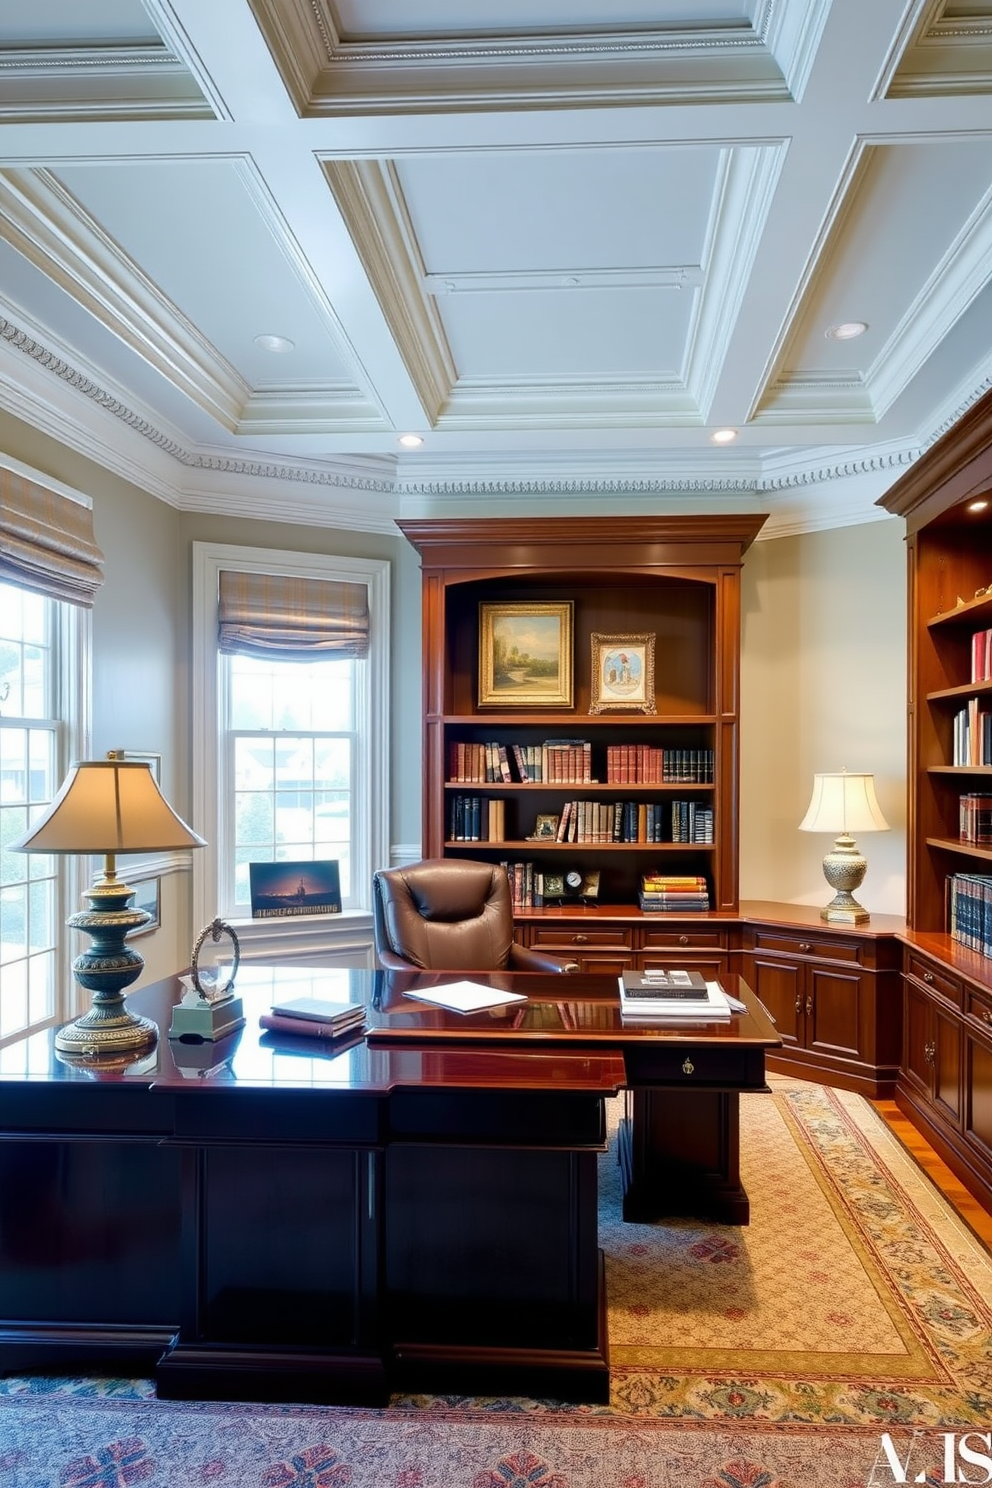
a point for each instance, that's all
(314, 1017)
(705, 1006)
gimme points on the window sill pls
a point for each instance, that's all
(337, 940)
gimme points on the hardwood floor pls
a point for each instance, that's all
(978, 1219)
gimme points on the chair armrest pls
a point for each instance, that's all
(522, 958)
(391, 962)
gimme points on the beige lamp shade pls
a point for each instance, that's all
(843, 804)
(108, 806)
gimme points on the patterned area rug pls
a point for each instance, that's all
(771, 1356)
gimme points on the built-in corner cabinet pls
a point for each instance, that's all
(946, 1078)
(585, 795)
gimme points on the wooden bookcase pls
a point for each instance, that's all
(676, 578)
(950, 559)
(945, 1076)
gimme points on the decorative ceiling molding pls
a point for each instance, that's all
(91, 83)
(558, 403)
(44, 222)
(941, 55)
(675, 276)
(328, 75)
(370, 199)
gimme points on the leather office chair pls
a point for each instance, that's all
(449, 914)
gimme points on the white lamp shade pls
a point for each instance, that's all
(108, 806)
(843, 803)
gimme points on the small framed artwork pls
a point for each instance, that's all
(279, 889)
(525, 655)
(147, 896)
(545, 828)
(140, 757)
(622, 673)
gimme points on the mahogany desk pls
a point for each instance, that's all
(680, 1137)
(275, 1219)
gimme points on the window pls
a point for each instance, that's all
(294, 765)
(39, 659)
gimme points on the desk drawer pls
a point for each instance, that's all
(677, 938)
(980, 1008)
(809, 945)
(695, 1067)
(577, 938)
(935, 979)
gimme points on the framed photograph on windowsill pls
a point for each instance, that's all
(622, 673)
(525, 654)
(147, 896)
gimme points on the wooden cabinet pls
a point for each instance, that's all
(834, 998)
(945, 1085)
(674, 579)
(611, 940)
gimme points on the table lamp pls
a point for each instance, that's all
(844, 804)
(107, 806)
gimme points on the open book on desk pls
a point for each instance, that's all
(713, 1005)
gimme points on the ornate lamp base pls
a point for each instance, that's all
(844, 868)
(105, 969)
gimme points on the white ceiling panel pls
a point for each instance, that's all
(555, 240)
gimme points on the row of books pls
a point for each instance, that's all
(969, 910)
(972, 736)
(481, 819)
(692, 822)
(981, 656)
(569, 762)
(556, 761)
(477, 819)
(975, 819)
(668, 893)
(646, 764)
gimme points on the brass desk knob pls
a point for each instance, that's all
(688, 1067)
(805, 946)
(928, 976)
(579, 939)
(683, 940)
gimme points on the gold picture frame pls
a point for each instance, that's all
(525, 654)
(622, 673)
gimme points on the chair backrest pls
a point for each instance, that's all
(444, 914)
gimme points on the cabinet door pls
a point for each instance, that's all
(978, 1105)
(780, 986)
(833, 1011)
(947, 1047)
(917, 1056)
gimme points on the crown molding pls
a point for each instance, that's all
(98, 83)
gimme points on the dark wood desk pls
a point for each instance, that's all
(680, 1137)
(277, 1219)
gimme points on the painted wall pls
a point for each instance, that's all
(823, 675)
(823, 687)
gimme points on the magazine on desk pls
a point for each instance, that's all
(714, 1005)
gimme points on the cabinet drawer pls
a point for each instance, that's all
(675, 938)
(809, 945)
(705, 1066)
(574, 937)
(934, 978)
(980, 1008)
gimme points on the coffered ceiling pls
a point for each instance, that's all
(562, 243)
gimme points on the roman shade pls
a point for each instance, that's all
(261, 614)
(46, 541)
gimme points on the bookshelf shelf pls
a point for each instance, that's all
(677, 579)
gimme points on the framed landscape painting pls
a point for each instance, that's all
(622, 673)
(525, 655)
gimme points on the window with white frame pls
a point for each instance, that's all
(292, 764)
(40, 641)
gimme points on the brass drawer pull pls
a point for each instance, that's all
(928, 976)
(930, 1052)
(683, 940)
(986, 1016)
(805, 946)
(580, 939)
(688, 1067)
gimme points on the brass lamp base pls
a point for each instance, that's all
(844, 867)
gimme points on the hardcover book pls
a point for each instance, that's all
(689, 985)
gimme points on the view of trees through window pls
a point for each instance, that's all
(29, 736)
(292, 739)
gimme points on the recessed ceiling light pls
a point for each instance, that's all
(723, 436)
(847, 330)
(977, 506)
(411, 441)
(275, 343)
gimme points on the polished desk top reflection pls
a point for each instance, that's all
(499, 1046)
